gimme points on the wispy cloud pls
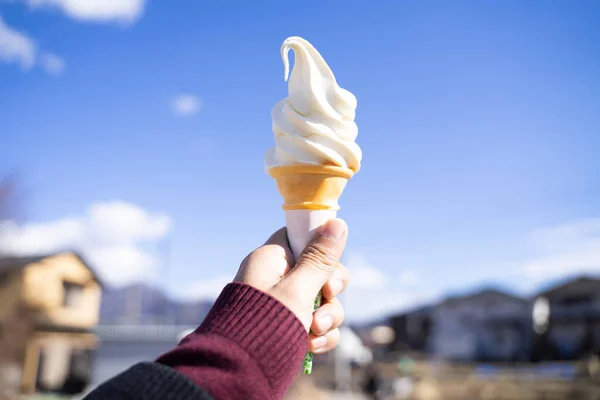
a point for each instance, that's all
(372, 292)
(16, 47)
(94, 10)
(52, 63)
(111, 235)
(409, 278)
(19, 48)
(186, 105)
(565, 249)
(364, 275)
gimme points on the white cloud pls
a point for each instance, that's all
(95, 10)
(570, 235)
(118, 222)
(186, 104)
(111, 235)
(373, 293)
(52, 63)
(565, 249)
(17, 47)
(206, 289)
(363, 274)
(409, 278)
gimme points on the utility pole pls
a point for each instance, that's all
(169, 318)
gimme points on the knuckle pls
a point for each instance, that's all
(258, 255)
(337, 310)
(341, 314)
(334, 337)
(342, 274)
(343, 270)
(319, 257)
(244, 265)
(255, 257)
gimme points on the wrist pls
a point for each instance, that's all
(270, 334)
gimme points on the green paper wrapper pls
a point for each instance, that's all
(301, 225)
(308, 357)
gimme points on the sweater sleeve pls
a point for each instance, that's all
(250, 346)
(148, 381)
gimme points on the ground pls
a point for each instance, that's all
(449, 382)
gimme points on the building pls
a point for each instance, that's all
(351, 349)
(125, 345)
(412, 330)
(487, 325)
(49, 307)
(572, 329)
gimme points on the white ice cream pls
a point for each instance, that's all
(315, 123)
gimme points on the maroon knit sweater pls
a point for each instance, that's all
(250, 346)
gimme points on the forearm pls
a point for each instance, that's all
(250, 346)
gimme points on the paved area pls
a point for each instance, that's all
(348, 396)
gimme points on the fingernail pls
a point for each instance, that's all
(334, 229)
(319, 342)
(325, 322)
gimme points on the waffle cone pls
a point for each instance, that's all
(310, 187)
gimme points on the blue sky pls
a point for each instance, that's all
(479, 123)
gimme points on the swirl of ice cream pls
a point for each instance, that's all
(315, 123)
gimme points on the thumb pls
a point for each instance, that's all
(320, 258)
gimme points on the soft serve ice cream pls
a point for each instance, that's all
(315, 123)
(315, 152)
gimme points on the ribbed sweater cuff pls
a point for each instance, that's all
(260, 324)
(148, 381)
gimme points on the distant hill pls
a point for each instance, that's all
(145, 304)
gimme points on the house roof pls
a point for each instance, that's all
(11, 264)
(579, 285)
(418, 310)
(489, 292)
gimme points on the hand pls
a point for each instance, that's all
(270, 268)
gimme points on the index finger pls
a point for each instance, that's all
(337, 284)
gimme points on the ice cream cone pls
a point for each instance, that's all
(311, 187)
(315, 132)
(310, 193)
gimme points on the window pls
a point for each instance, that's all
(73, 294)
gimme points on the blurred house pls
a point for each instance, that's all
(376, 336)
(49, 307)
(138, 323)
(488, 325)
(122, 346)
(350, 350)
(573, 327)
(412, 330)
